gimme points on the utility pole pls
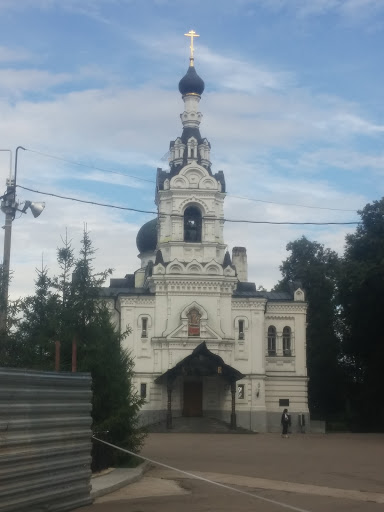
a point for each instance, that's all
(9, 206)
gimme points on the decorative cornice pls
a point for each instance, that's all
(194, 283)
(191, 288)
(270, 378)
(283, 308)
(183, 193)
(258, 305)
(279, 317)
(136, 301)
(191, 343)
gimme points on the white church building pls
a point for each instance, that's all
(205, 342)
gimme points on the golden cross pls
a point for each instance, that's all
(192, 34)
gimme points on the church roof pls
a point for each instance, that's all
(191, 83)
(146, 239)
(190, 131)
(114, 289)
(202, 362)
(247, 289)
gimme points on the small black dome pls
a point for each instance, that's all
(146, 239)
(191, 83)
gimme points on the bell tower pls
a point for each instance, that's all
(190, 198)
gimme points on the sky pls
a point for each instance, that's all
(293, 108)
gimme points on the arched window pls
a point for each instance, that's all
(192, 224)
(287, 341)
(271, 340)
(194, 322)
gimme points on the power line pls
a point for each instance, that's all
(87, 202)
(80, 164)
(106, 205)
(292, 204)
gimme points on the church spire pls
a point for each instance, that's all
(192, 34)
(191, 83)
(191, 87)
(190, 146)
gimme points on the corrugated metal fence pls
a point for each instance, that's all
(45, 440)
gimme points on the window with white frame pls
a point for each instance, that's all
(287, 335)
(271, 340)
(240, 391)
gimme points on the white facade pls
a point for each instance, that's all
(189, 291)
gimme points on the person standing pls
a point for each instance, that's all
(285, 423)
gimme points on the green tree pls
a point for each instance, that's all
(316, 269)
(9, 354)
(362, 304)
(70, 307)
(38, 326)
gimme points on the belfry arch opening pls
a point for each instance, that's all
(192, 224)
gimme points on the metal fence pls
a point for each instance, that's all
(45, 441)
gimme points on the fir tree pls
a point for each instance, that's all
(69, 307)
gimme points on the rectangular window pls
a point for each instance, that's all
(287, 341)
(144, 325)
(143, 390)
(271, 346)
(241, 329)
(284, 402)
(240, 391)
(271, 340)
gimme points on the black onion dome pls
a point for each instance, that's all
(146, 240)
(191, 83)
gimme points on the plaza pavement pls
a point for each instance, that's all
(335, 472)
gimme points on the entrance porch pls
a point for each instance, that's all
(203, 382)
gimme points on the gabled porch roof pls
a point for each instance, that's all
(201, 363)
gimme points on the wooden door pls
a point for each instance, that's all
(193, 399)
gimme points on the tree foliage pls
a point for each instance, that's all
(345, 347)
(69, 308)
(361, 297)
(315, 269)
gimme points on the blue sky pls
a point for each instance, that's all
(293, 108)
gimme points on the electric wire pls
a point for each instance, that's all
(80, 164)
(291, 204)
(153, 181)
(245, 221)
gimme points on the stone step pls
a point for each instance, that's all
(200, 425)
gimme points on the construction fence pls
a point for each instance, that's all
(45, 440)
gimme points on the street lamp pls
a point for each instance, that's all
(10, 206)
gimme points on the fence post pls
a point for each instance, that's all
(74, 355)
(57, 356)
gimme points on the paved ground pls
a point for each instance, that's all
(336, 473)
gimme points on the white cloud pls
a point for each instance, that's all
(16, 82)
(239, 75)
(347, 159)
(13, 55)
(253, 114)
(112, 232)
(355, 11)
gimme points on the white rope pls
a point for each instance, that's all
(197, 477)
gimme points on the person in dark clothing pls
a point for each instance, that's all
(285, 423)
